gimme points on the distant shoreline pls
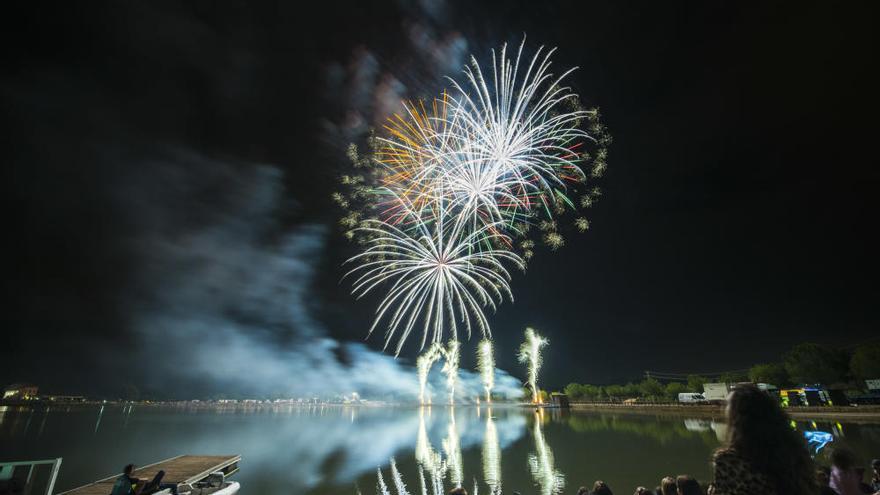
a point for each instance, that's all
(860, 413)
(871, 413)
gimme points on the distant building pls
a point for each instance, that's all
(559, 400)
(20, 391)
(66, 398)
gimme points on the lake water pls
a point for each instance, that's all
(337, 449)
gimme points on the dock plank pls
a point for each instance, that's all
(180, 469)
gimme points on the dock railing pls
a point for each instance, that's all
(33, 477)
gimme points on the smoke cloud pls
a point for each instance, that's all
(224, 298)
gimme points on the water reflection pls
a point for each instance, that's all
(318, 450)
(541, 465)
(491, 454)
(452, 447)
(438, 466)
(98, 422)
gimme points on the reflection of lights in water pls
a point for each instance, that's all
(399, 485)
(425, 453)
(422, 480)
(697, 425)
(381, 487)
(541, 462)
(720, 429)
(43, 423)
(453, 452)
(98, 423)
(428, 458)
(817, 440)
(491, 455)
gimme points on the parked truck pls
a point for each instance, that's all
(716, 393)
(691, 398)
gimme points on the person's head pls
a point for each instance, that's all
(758, 429)
(128, 469)
(843, 458)
(667, 486)
(458, 491)
(583, 491)
(643, 491)
(687, 485)
(600, 488)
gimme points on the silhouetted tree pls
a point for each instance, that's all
(814, 363)
(865, 362)
(695, 382)
(772, 373)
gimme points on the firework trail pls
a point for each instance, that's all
(450, 368)
(530, 353)
(541, 463)
(486, 365)
(424, 363)
(491, 455)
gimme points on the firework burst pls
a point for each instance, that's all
(446, 197)
(437, 275)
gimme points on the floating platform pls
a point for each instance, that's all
(180, 469)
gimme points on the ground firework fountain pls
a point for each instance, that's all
(486, 365)
(530, 354)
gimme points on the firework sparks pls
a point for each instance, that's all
(445, 199)
(450, 368)
(437, 275)
(486, 365)
(424, 363)
(530, 354)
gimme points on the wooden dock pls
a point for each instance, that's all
(180, 469)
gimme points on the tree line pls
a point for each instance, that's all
(805, 363)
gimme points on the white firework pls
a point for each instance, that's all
(450, 368)
(424, 363)
(438, 273)
(516, 133)
(486, 366)
(530, 354)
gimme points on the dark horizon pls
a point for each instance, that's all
(170, 170)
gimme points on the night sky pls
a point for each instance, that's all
(169, 165)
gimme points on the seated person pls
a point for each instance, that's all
(156, 485)
(125, 484)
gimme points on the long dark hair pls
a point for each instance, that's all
(759, 430)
